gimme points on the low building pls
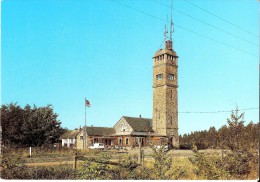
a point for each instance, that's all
(127, 132)
(69, 138)
(96, 135)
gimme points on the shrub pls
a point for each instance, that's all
(240, 163)
(208, 167)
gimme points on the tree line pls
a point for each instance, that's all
(235, 135)
(29, 126)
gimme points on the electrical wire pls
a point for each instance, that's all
(212, 112)
(206, 23)
(220, 18)
(201, 35)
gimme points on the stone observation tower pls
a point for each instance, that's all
(165, 94)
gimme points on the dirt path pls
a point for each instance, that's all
(51, 163)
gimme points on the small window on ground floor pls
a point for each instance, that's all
(126, 141)
(95, 140)
(136, 140)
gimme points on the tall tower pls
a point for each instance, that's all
(165, 94)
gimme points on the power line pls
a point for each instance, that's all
(220, 18)
(206, 23)
(140, 11)
(227, 45)
(213, 112)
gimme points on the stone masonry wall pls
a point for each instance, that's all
(165, 95)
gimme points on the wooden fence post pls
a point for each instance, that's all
(30, 152)
(75, 161)
(139, 156)
(142, 157)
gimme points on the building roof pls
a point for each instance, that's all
(139, 124)
(69, 134)
(99, 131)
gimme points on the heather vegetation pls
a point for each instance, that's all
(160, 165)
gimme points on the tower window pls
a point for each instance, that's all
(170, 76)
(159, 76)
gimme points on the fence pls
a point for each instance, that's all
(93, 159)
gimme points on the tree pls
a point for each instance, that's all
(11, 122)
(236, 125)
(28, 126)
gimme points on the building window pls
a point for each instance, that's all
(122, 128)
(159, 76)
(95, 140)
(81, 137)
(170, 76)
(136, 140)
(171, 94)
(71, 140)
(126, 141)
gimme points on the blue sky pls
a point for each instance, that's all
(59, 52)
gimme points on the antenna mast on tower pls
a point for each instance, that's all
(171, 24)
(165, 31)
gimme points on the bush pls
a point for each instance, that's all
(208, 167)
(24, 172)
(240, 163)
(12, 167)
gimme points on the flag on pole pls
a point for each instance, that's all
(87, 103)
